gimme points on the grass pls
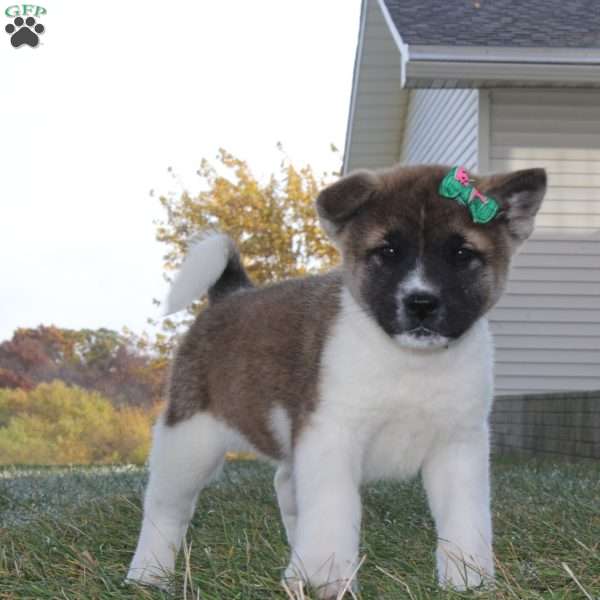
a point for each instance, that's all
(70, 532)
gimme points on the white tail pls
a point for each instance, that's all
(203, 265)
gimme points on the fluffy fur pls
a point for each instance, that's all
(212, 264)
(382, 368)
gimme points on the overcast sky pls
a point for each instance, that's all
(119, 91)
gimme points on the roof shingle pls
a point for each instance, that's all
(510, 23)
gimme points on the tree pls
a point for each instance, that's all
(56, 424)
(273, 223)
(121, 366)
(11, 380)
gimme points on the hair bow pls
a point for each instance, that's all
(456, 185)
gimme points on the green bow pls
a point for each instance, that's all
(482, 208)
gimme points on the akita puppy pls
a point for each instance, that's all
(381, 368)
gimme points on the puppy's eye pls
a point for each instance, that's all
(465, 255)
(387, 253)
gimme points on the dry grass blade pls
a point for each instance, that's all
(566, 567)
(347, 587)
(587, 548)
(507, 578)
(397, 580)
(187, 572)
(297, 595)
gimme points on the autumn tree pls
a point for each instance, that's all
(57, 424)
(121, 366)
(273, 222)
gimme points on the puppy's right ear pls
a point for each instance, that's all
(339, 202)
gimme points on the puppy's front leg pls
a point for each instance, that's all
(286, 498)
(456, 479)
(327, 477)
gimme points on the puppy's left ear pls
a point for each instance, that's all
(520, 195)
(338, 203)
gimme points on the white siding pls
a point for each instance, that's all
(441, 127)
(378, 102)
(547, 326)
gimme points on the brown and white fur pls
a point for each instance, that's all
(379, 369)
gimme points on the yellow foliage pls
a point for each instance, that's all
(273, 222)
(58, 424)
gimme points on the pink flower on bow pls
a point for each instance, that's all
(477, 194)
(462, 176)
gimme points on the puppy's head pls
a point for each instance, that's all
(416, 261)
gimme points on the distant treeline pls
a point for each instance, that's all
(124, 368)
(77, 396)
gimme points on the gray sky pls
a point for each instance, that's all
(119, 91)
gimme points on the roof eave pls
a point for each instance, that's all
(469, 69)
(506, 54)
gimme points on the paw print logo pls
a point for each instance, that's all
(24, 32)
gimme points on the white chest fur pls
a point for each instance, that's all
(398, 403)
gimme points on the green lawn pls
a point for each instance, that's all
(70, 533)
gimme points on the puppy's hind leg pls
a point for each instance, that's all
(184, 458)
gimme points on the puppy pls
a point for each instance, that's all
(381, 368)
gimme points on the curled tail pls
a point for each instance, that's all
(211, 265)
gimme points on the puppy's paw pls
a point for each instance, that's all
(149, 576)
(457, 573)
(462, 581)
(328, 581)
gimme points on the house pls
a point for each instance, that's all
(498, 85)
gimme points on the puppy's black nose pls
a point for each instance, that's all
(421, 305)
